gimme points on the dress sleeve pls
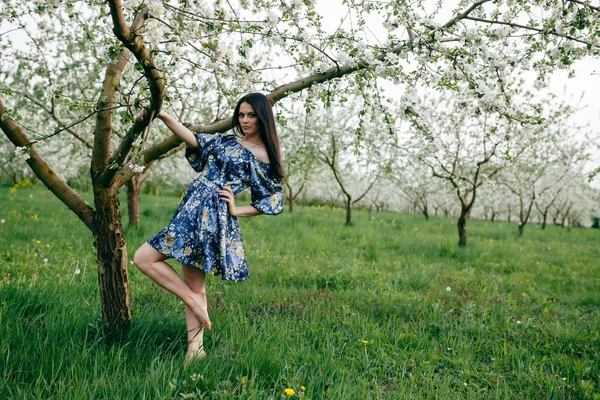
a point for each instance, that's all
(197, 156)
(267, 193)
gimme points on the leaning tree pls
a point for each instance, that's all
(147, 53)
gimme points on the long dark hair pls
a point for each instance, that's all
(266, 126)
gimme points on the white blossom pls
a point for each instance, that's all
(22, 153)
(136, 168)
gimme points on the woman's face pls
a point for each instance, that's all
(248, 120)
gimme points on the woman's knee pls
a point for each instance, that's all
(142, 257)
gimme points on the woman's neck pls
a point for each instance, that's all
(253, 138)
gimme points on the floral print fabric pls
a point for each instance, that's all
(202, 233)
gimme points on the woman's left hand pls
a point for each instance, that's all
(227, 195)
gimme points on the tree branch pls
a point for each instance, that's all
(543, 31)
(132, 41)
(47, 175)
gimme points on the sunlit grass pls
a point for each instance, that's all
(388, 308)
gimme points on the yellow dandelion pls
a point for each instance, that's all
(37, 242)
(35, 254)
(48, 246)
(302, 388)
(364, 342)
(289, 392)
(34, 217)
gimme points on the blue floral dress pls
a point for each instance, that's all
(202, 233)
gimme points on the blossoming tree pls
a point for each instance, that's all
(155, 53)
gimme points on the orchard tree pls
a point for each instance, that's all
(547, 156)
(461, 145)
(415, 183)
(298, 153)
(350, 142)
(101, 62)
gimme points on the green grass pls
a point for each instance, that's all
(506, 317)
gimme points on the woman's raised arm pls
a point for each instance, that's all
(178, 129)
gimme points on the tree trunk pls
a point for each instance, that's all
(348, 212)
(112, 260)
(426, 213)
(544, 219)
(508, 219)
(291, 204)
(493, 218)
(462, 227)
(133, 203)
(522, 221)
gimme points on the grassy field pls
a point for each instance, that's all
(387, 309)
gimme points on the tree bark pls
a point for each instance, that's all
(348, 211)
(290, 197)
(112, 260)
(462, 227)
(544, 219)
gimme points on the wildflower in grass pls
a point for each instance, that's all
(289, 392)
(77, 271)
(448, 289)
(37, 242)
(1, 221)
(302, 388)
(518, 322)
(35, 254)
(364, 342)
(48, 246)
(34, 217)
(45, 261)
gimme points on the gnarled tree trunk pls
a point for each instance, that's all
(112, 260)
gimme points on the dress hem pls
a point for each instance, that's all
(212, 272)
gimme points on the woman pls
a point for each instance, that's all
(204, 234)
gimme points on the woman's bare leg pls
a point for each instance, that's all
(195, 279)
(152, 263)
